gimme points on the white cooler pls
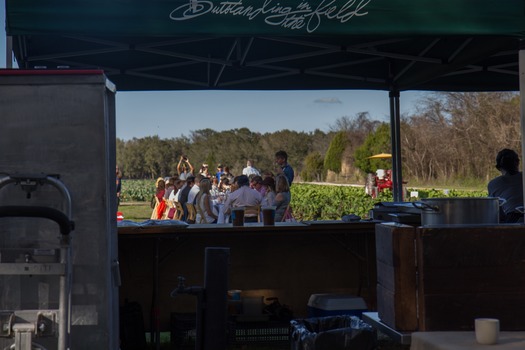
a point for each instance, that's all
(321, 305)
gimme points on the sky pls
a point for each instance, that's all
(171, 114)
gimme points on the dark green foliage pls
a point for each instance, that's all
(151, 157)
(334, 155)
(377, 142)
(313, 168)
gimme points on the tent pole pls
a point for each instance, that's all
(521, 60)
(9, 51)
(395, 132)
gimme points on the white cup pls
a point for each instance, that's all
(487, 330)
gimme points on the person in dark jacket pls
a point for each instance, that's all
(281, 158)
(508, 186)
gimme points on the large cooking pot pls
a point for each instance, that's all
(453, 211)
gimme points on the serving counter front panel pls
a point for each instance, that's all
(396, 276)
(470, 272)
(290, 261)
(453, 274)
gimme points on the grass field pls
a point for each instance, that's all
(136, 211)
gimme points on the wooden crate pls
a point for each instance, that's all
(396, 276)
(470, 272)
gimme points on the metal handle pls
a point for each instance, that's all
(425, 207)
(29, 183)
(66, 225)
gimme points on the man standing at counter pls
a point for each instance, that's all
(509, 186)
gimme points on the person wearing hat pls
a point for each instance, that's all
(508, 186)
(170, 187)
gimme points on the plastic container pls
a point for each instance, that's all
(321, 305)
(342, 332)
(234, 294)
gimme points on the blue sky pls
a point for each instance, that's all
(175, 113)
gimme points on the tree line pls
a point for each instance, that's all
(450, 138)
(151, 156)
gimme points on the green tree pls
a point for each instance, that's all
(377, 142)
(313, 167)
(332, 160)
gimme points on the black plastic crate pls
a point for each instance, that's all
(271, 332)
(183, 330)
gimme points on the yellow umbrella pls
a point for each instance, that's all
(380, 156)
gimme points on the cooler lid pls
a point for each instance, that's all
(329, 301)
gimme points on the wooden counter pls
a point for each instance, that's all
(290, 261)
(441, 278)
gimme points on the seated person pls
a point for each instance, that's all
(205, 213)
(256, 182)
(184, 193)
(224, 185)
(243, 196)
(509, 186)
(282, 198)
(214, 192)
(269, 192)
(170, 187)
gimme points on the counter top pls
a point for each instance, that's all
(305, 227)
(464, 341)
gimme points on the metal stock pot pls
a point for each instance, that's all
(453, 211)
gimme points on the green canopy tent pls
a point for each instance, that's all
(391, 45)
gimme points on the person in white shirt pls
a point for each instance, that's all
(179, 185)
(195, 189)
(250, 169)
(244, 196)
(205, 212)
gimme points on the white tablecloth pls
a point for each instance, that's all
(464, 341)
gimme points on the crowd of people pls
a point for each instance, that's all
(215, 194)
